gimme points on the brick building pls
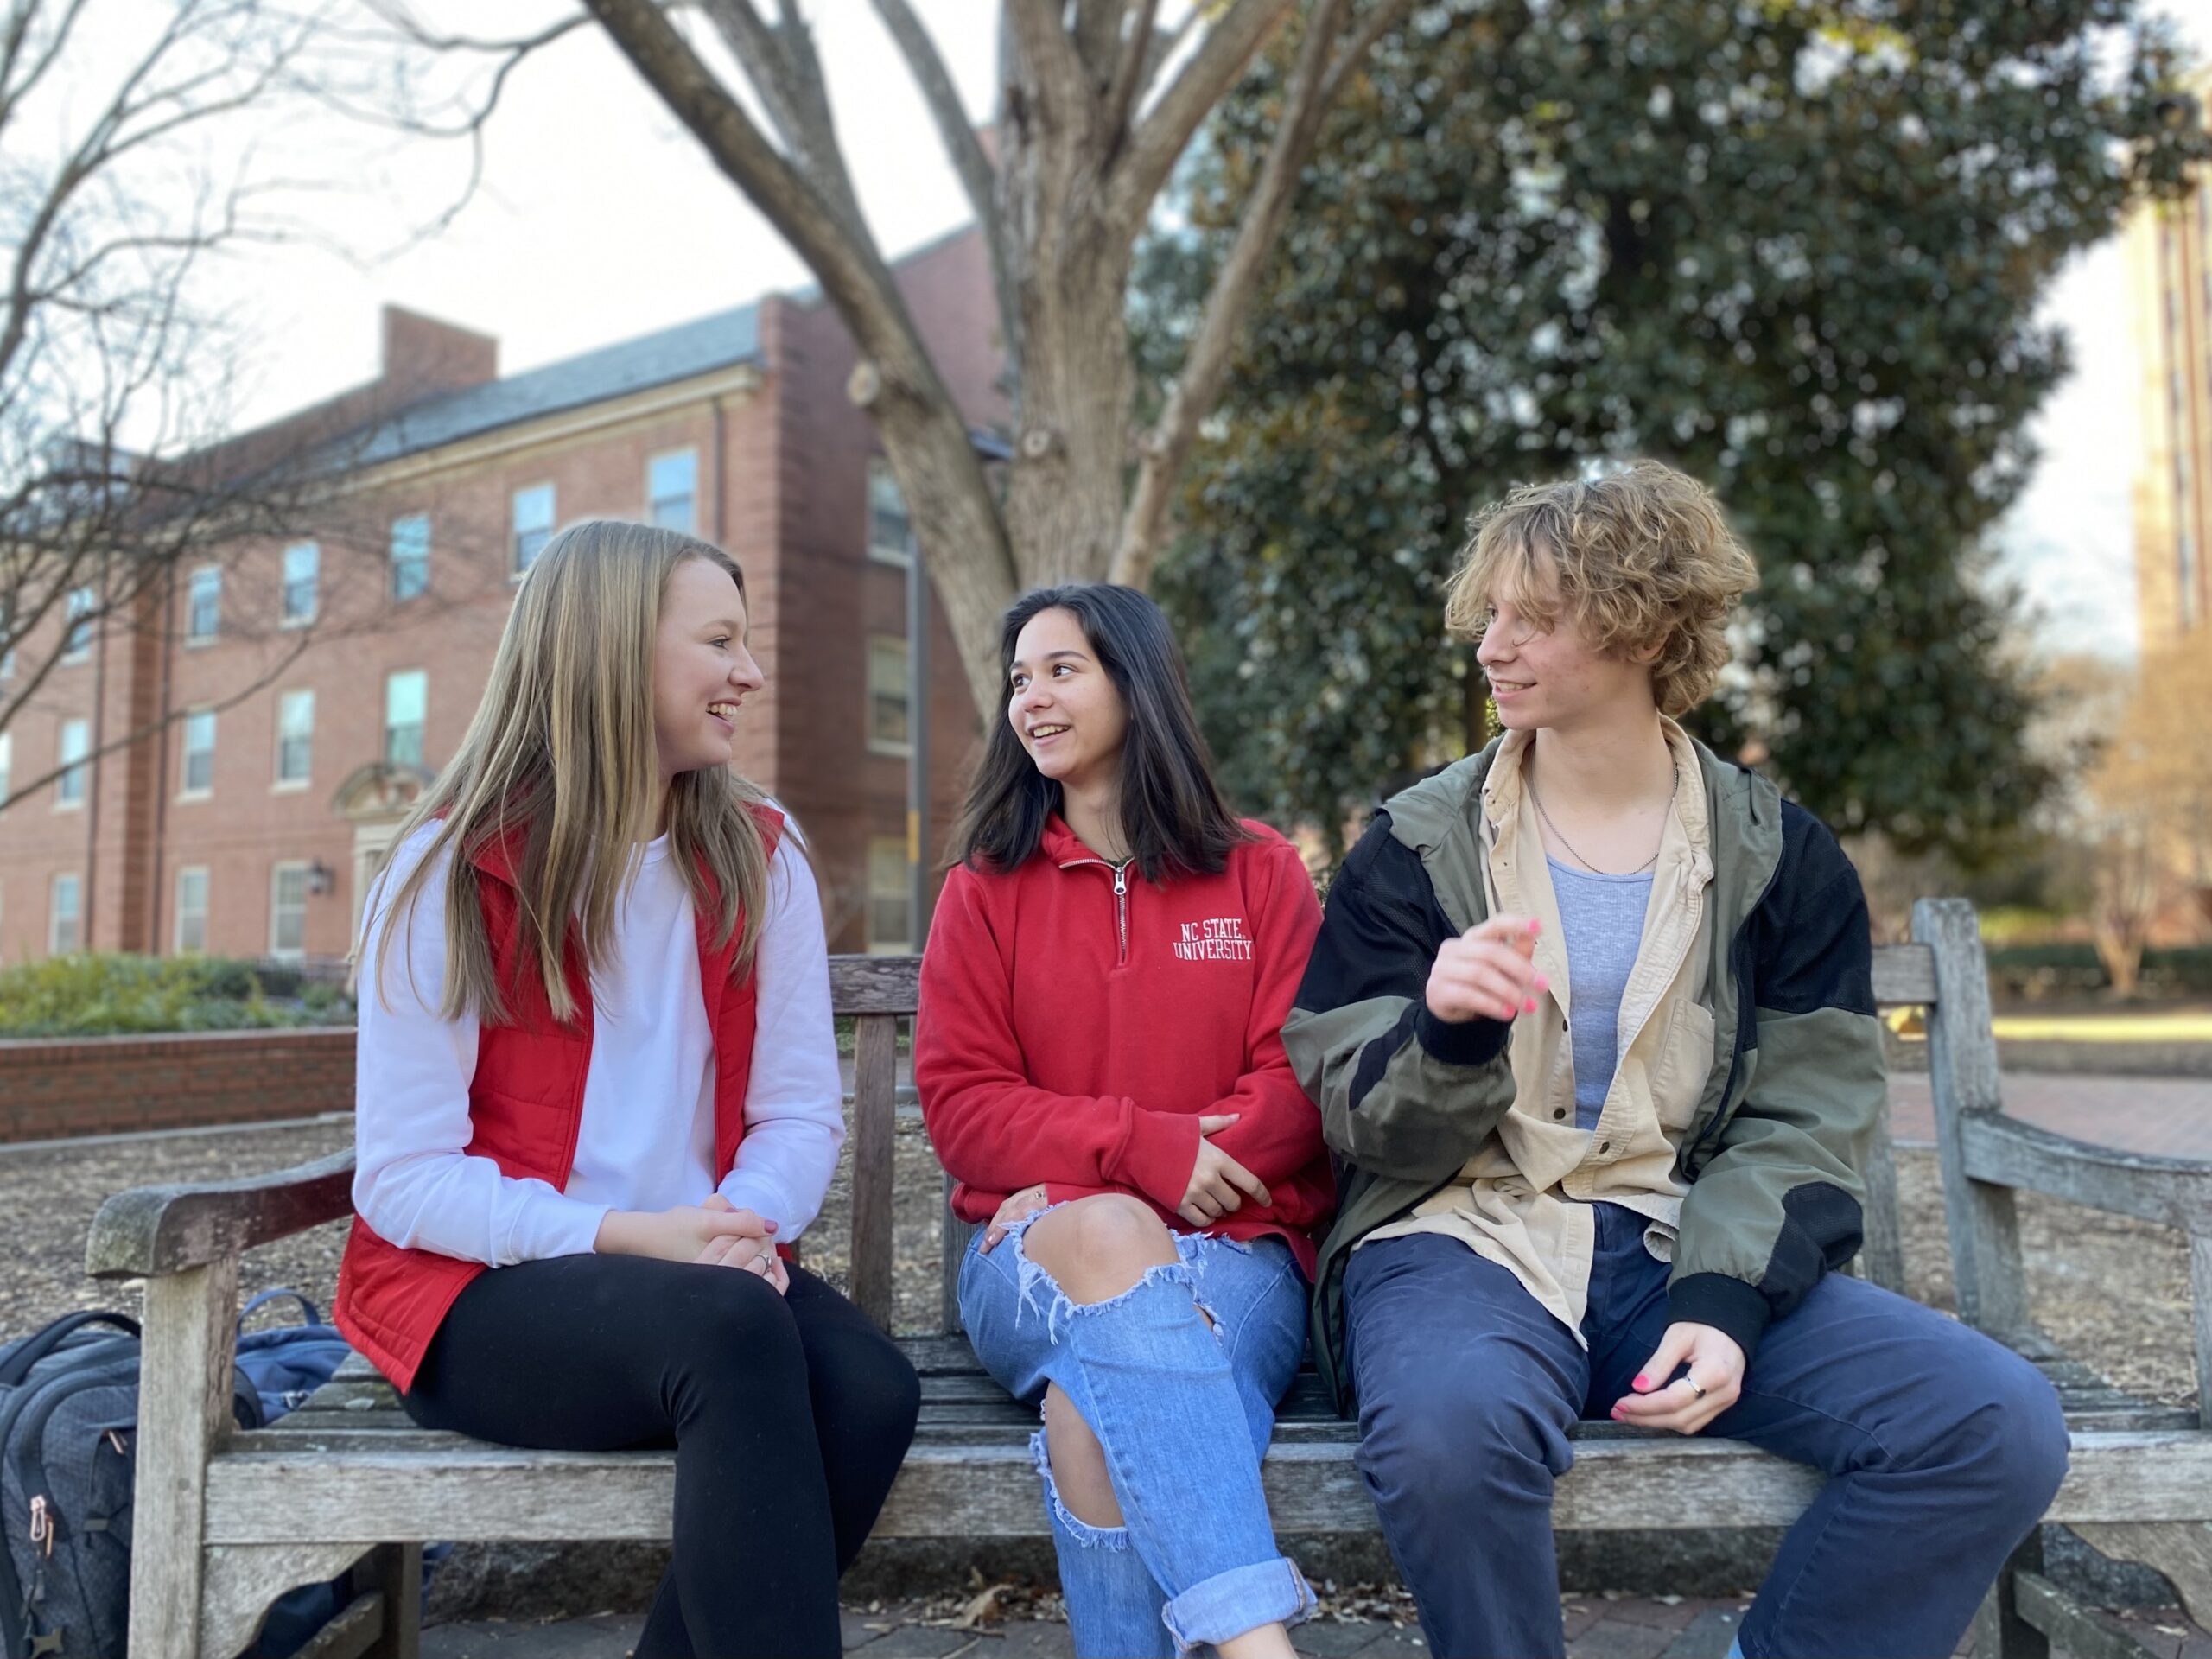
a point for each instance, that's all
(316, 683)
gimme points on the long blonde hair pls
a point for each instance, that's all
(562, 752)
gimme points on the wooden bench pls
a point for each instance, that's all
(226, 1520)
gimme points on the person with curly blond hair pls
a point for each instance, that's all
(1591, 1023)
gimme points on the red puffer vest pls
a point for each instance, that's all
(525, 1107)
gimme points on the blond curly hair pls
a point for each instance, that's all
(1639, 557)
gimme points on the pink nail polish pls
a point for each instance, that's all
(1542, 984)
(1529, 1007)
(1642, 1385)
(1619, 1416)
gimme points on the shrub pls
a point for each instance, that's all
(115, 994)
(2033, 970)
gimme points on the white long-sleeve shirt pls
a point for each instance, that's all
(646, 1142)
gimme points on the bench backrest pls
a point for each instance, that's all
(1942, 971)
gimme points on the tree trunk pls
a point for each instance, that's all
(956, 527)
(1069, 265)
(1064, 499)
(2120, 951)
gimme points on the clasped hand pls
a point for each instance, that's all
(715, 1233)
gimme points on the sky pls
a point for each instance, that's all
(597, 219)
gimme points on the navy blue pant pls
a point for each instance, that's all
(1943, 1447)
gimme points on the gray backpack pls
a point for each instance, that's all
(68, 1428)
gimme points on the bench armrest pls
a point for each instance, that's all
(2005, 1152)
(152, 1231)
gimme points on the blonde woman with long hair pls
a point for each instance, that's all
(575, 1161)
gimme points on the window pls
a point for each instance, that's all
(77, 643)
(887, 731)
(533, 525)
(7, 763)
(288, 912)
(295, 738)
(890, 534)
(199, 754)
(76, 744)
(890, 907)
(203, 613)
(406, 694)
(191, 910)
(65, 929)
(672, 491)
(410, 556)
(303, 573)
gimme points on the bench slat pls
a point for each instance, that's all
(1904, 976)
(951, 1377)
(988, 1490)
(2173, 1192)
(875, 984)
(876, 1128)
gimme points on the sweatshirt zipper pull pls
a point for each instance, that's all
(1122, 908)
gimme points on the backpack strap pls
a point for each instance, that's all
(313, 1315)
(35, 1348)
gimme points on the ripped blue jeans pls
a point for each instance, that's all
(1183, 1410)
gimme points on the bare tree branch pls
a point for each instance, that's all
(1168, 447)
(1382, 17)
(761, 53)
(1223, 56)
(780, 63)
(1131, 72)
(511, 54)
(922, 430)
(1097, 35)
(1041, 40)
(958, 136)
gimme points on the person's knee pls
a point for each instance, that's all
(873, 1388)
(2033, 1445)
(890, 1392)
(1445, 1455)
(1098, 1248)
(2004, 1438)
(729, 1311)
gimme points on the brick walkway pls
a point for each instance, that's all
(1597, 1627)
(2161, 1114)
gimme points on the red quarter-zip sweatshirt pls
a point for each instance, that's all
(1076, 1021)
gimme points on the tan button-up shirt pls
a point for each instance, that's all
(1523, 1200)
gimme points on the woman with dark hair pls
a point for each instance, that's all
(1100, 1059)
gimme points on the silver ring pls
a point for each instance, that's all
(1693, 1381)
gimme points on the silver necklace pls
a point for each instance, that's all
(1569, 845)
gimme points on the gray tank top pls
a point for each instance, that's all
(1603, 917)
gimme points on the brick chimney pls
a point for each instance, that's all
(423, 357)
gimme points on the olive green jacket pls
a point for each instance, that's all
(1772, 1154)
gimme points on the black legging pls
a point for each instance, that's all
(789, 1416)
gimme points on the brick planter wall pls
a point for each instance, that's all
(107, 1085)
